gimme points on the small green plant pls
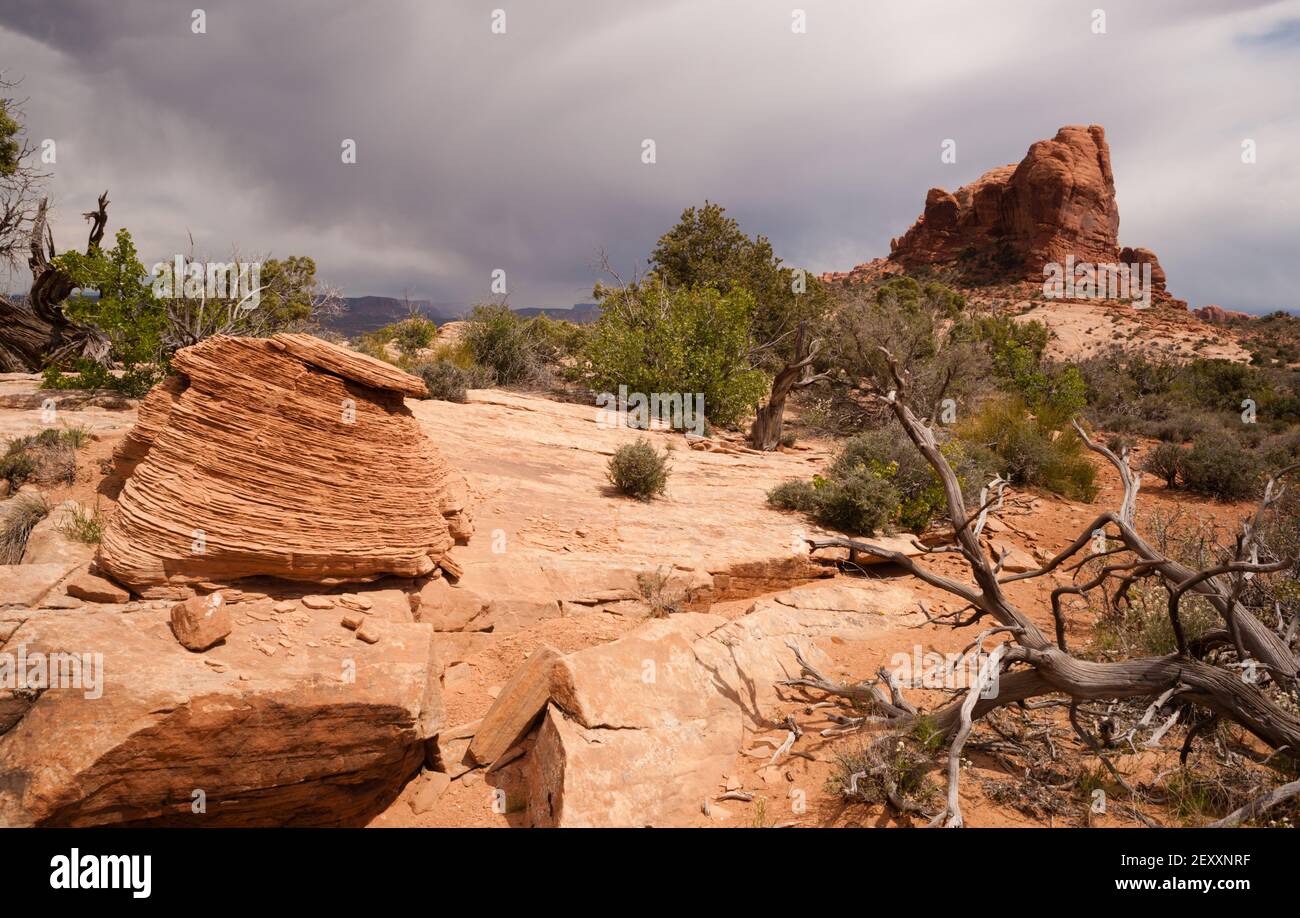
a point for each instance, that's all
(414, 334)
(17, 519)
(893, 768)
(16, 468)
(793, 494)
(84, 524)
(638, 470)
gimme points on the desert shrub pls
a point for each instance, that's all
(126, 310)
(794, 494)
(1220, 385)
(789, 438)
(414, 334)
(1165, 461)
(48, 457)
(894, 765)
(502, 342)
(638, 470)
(1034, 449)
(445, 380)
(557, 340)
(1280, 450)
(689, 340)
(858, 502)
(83, 525)
(922, 326)
(1181, 426)
(655, 588)
(75, 435)
(1119, 442)
(16, 468)
(17, 519)
(1219, 466)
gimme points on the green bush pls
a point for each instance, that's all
(793, 494)
(687, 340)
(502, 342)
(1165, 461)
(859, 502)
(415, 334)
(637, 470)
(48, 457)
(445, 380)
(126, 310)
(1034, 449)
(16, 468)
(1218, 466)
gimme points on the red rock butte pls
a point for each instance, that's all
(1059, 201)
(286, 457)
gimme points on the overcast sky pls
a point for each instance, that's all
(523, 150)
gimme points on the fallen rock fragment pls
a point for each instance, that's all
(519, 703)
(318, 602)
(353, 620)
(93, 588)
(433, 784)
(201, 621)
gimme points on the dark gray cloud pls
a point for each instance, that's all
(522, 151)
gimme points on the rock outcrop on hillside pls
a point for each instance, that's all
(286, 457)
(1057, 203)
(1217, 315)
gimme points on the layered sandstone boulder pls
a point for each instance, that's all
(287, 457)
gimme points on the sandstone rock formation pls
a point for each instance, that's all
(324, 736)
(287, 457)
(1217, 315)
(1059, 201)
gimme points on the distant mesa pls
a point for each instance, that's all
(1058, 202)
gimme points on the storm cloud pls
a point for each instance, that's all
(523, 151)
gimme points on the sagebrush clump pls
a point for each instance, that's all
(1218, 466)
(639, 470)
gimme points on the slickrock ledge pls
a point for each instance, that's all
(323, 733)
(287, 457)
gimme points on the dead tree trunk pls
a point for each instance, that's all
(765, 432)
(1043, 666)
(36, 333)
